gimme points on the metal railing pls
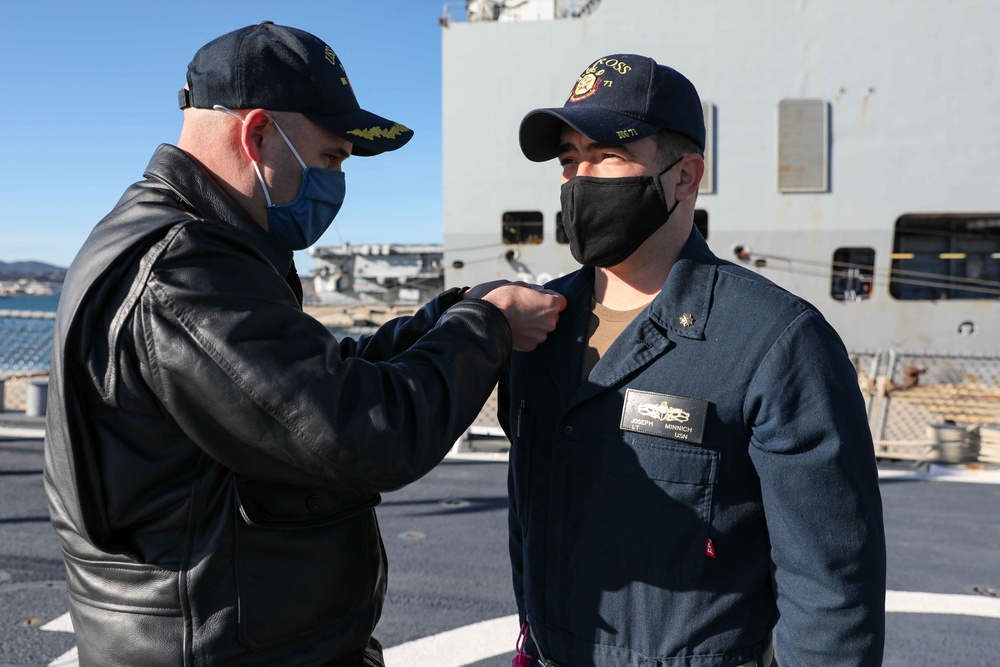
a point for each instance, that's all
(25, 354)
(922, 406)
(927, 406)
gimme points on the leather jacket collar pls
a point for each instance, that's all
(197, 189)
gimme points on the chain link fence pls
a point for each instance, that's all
(921, 406)
(936, 407)
(867, 364)
(25, 354)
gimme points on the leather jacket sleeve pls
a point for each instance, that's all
(398, 334)
(266, 390)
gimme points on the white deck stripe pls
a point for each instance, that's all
(479, 641)
(970, 474)
(21, 432)
(68, 659)
(939, 473)
(61, 624)
(909, 602)
(458, 647)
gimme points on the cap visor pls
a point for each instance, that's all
(371, 134)
(540, 129)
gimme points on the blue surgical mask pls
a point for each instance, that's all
(299, 223)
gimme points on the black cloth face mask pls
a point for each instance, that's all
(607, 219)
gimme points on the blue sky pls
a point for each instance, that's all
(89, 90)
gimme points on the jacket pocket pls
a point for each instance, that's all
(303, 561)
(655, 507)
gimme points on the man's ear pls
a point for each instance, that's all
(256, 129)
(692, 168)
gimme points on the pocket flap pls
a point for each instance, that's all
(271, 505)
(660, 459)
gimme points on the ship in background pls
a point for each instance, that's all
(354, 288)
(852, 158)
(852, 155)
(405, 274)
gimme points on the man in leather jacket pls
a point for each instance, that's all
(213, 454)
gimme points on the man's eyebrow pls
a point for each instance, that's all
(598, 146)
(595, 146)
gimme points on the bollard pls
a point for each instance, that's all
(3, 405)
(38, 399)
(953, 443)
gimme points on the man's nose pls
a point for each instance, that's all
(585, 168)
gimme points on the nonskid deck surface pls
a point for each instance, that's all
(449, 600)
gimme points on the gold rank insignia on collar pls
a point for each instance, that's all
(686, 320)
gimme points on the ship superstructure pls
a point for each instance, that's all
(851, 159)
(851, 154)
(377, 274)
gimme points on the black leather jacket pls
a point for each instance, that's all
(214, 456)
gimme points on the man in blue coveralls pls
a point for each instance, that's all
(692, 472)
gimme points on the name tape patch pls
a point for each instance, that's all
(665, 416)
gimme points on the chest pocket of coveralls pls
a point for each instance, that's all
(656, 507)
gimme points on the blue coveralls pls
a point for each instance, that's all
(641, 535)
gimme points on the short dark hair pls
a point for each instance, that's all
(671, 146)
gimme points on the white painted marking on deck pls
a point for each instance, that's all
(910, 602)
(21, 432)
(480, 641)
(458, 647)
(971, 474)
(62, 624)
(68, 659)
(900, 474)
(941, 473)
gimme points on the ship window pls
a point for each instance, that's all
(560, 230)
(707, 185)
(946, 257)
(522, 227)
(803, 146)
(853, 274)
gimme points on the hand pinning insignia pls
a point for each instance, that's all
(686, 320)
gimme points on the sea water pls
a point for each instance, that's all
(29, 302)
(26, 340)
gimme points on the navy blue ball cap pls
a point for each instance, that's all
(618, 99)
(273, 67)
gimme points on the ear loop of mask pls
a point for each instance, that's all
(260, 177)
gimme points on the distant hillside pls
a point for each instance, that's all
(38, 270)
